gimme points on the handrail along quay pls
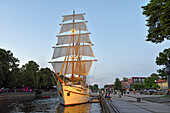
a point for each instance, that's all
(107, 105)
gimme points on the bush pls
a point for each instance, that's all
(38, 91)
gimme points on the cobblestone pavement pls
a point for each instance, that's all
(129, 104)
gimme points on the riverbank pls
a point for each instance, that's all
(29, 103)
(21, 95)
(7, 98)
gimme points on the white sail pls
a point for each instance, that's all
(85, 50)
(80, 67)
(70, 17)
(70, 26)
(78, 38)
(73, 49)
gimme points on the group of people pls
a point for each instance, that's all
(120, 92)
(107, 93)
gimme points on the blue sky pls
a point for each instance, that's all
(29, 27)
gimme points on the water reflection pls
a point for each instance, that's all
(36, 105)
(82, 108)
(51, 105)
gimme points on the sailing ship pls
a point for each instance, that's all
(73, 56)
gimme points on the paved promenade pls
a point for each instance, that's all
(129, 104)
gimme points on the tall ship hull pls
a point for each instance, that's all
(72, 60)
(73, 95)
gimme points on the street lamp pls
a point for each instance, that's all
(167, 71)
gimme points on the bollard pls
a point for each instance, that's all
(119, 96)
(138, 100)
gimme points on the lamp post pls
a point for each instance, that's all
(167, 71)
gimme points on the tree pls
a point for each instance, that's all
(158, 13)
(45, 78)
(125, 79)
(138, 86)
(150, 83)
(117, 84)
(29, 76)
(8, 68)
(163, 57)
(96, 88)
(162, 74)
(91, 87)
(155, 76)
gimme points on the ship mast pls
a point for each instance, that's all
(73, 31)
(78, 44)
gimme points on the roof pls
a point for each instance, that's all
(109, 86)
(160, 80)
(139, 77)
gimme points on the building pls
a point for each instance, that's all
(137, 80)
(125, 84)
(163, 84)
(109, 88)
(131, 81)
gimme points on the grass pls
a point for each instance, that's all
(166, 96)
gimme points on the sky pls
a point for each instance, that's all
(118, 31)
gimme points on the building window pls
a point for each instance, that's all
(135, 81)
(140, 80)
(143, 81)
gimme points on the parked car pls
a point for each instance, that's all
(151, 91)
(164, 90)
(4, 89)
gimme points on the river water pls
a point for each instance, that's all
(50, 105)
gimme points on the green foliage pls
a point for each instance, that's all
(11, 76)
(29, 76)
(162, 74)
(155, 86)
(8, 68)
(117, 84)
(150, 83)
(45, 78)
(155, 76)
(38, 91)
(91, 87)
(158, 20)
(163, 57)
(125, 79)
(138, 86)
(96, 88)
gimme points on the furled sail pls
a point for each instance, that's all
(80, 67)
(70, 26)
(85, 50)
(78, 38)
(71, 17)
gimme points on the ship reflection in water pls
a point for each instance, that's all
(50, 105)
(82, 108)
